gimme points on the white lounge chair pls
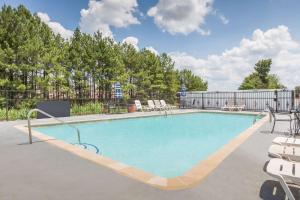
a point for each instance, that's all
(158, 105)
(241, 105)
(138, 105)
(287, 141)
(167, 106)
(286, 152)
(151, 105)
(229, 106)
(284, 171)
(232, 106)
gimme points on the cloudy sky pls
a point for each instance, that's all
(220, 40)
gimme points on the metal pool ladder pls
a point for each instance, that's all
(48, 115)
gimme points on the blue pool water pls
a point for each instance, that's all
(163, 146)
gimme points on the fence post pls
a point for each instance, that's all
(202, 97)
(276, 100)
(6, 105)
(234, 98)
(293, 99)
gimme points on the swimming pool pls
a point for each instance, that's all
(166, 147)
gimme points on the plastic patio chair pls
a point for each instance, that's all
(285, 172)
(287, 152)
(151, 105)
(158, 106)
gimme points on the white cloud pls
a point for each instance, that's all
(223, 19)
(56, 27)
(178, 16)
(133, 41)
(153, 50)
(227, 70)
(102, 15)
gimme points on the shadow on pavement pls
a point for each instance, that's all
(37, 141)
(272, 190)
(275, 132)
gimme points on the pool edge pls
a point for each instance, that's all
(191, 178)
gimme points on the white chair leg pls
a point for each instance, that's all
(287, 190)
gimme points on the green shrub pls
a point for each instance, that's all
(15, 114)
(20, 112)
(87, 108)
(2, 114)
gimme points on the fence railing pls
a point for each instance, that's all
(13, 109)
(254, 100)
(297, 103)
(16, 104)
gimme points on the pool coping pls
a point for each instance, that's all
(189, 179)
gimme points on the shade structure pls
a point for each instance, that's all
(183, 90)
(118, 90)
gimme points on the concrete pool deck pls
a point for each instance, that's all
(43, 171)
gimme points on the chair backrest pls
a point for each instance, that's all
(272, 111)
(242, 102)
(138, 105)
(230, 102)
(163, 103)
(157, 103)
(151, 104)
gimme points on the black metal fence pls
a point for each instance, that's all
(16, 104)
(254, 100)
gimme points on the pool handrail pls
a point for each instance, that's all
(263, 113)
(48, 115)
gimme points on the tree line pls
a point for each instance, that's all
(33, 58)
(261, 77)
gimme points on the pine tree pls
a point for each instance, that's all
(33, 58)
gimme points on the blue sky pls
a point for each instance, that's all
(205, 39)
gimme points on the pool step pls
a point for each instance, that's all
(89, 147)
